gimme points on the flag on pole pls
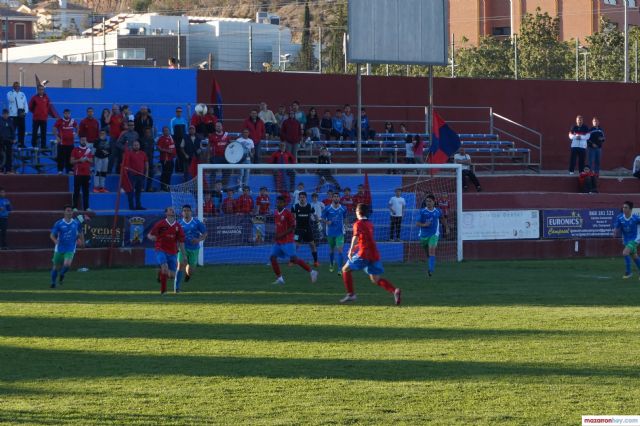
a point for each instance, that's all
(216, 99)
(444, 141)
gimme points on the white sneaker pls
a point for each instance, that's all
(314, 276)
(279, 281)
(397, 296)
(348, 298)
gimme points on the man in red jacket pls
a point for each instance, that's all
(41, 107)
(89, 128)
(218, 142)
(257, 133)
(64, 130)
(167, 148)
(283, 157)
(291, 133)
(137, 168)
(81, 158)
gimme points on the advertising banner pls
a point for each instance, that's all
(97, 231)
(578, 223)
(501, 225)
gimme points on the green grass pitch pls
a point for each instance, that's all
(527, 342)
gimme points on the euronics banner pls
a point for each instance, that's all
(501, 225)
(578, 223)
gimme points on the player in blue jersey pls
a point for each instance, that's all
(194, 233)
(333, 216)
(430, 223)
(66, 234)
(626, 223)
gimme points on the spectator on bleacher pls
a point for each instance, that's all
(128, 137)
(290, 133)
(190, 149)
(41, 108)
(5, 208)
(263, 202)
(314, 126)
(467, 171)
(210, 119)
(418, 149)
(137, 170)
(257, 133)
(338, 129)
(347, 201)
(299, 115)
(281, 115)
(198, 120)
(148, 146)
(208, 208)
(89, 128)
(17, 102)
(397, 204)
(105, 117)
(127, 114)
(326, 124)
(588, 180)
(64, 131)
(7, 139)
(178, 126)
(167, 148)
(327, 201)
(81, 159)
(296, 193)
(409, 153)
(579, 134)
(361, 197)
(325, 174)
(116, 126)
(228, 205)
(143, 120)
(218, 142)
(349, 122)
(283, 157)
(101, 161)
(249, 151)
(243, 205)
(217, 195)
(596, 140)
(269, 119)
(365, 127)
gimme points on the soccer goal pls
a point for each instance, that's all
(240, 221)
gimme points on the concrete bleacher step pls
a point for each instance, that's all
(30, 219)
(39, 200)
(29, 238)
(542, 200)
(34, 183)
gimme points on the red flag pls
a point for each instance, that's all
(125, 183)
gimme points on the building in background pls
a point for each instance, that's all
(58, 18)
(578, 18)
(150, 40)
(21, 27)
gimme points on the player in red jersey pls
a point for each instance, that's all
(284, 246)
(367, 258)
(169, 238)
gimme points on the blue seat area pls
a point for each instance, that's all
(150, 200)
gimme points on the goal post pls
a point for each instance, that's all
(246, 237)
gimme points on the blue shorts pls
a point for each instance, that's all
(170, 259)
(284, 250)
(368, 266)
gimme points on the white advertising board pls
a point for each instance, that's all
(500, 225)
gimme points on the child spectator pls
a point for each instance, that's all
(228, 205)
(418, 149)
(296, 193)
(209, 208)
(101, 161)
(409, 153)
(313, 125)
(365, 127)
(349, 122)
(5, 208)
(263, 202)
(326, 124)
(347, 201)
(338, 129)
(588, 180)
(243, 205)
(397, 204)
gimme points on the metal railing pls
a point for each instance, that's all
(535, 147)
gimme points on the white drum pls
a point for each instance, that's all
(235, 153)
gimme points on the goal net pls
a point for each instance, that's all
(240, 218)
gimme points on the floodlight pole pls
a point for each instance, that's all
(359, 116)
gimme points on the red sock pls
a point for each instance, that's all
(163, 282)
(386, 285)
(348, 281)
(302, 264)
(275, 266)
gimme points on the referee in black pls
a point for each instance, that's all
(303, 212)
